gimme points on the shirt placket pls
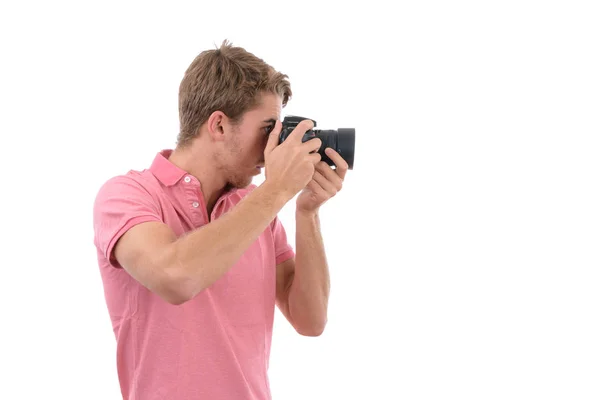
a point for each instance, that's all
(195, 201)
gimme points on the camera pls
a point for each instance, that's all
(341, 140)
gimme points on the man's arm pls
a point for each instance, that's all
(178, 269)
(303, 283)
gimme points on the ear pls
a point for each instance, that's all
(216, 125)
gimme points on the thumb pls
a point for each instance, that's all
(273, 138)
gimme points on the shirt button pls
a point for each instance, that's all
(195, 204)
(187, 179)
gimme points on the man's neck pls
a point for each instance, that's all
(201, 166)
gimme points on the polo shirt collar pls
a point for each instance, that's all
(164, 170)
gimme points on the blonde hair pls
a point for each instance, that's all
(228, 79)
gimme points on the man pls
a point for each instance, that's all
(192, 255)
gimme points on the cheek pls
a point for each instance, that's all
(262, 143)
(256, 147)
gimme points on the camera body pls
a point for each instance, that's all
(341, 140)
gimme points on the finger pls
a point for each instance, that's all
(325, 184)
(318, 191)
(312, 145)
(341, 166)
(330, 175)
(299, 131)
(314, 158)
(273, 138)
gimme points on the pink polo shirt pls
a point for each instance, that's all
(215, 346)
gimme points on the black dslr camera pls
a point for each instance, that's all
(341, 140)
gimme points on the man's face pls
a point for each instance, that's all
(244, 154)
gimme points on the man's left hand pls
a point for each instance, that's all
(325, 183)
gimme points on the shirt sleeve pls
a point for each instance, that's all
(120, 204)
(283, 250)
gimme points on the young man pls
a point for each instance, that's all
(192, 255)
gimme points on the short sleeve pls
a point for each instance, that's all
(283, 250)
(121, 203)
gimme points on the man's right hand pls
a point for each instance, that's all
(289, 167)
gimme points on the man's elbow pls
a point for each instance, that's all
(311, 333)
(171, 294)
(312, 330)
(175, 299)
(177, 289)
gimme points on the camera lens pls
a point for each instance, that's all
(345, 142)
(341, 140)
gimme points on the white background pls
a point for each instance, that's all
(464, 248)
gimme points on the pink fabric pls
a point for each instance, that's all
(215, 346)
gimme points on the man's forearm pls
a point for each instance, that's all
(203, 256)
(309, 292)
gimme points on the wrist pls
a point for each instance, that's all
(276, 195)
(306, 214)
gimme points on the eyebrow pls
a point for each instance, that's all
(270, 121)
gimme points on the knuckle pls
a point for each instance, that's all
(307, 123)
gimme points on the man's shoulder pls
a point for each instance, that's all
(128, 184)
